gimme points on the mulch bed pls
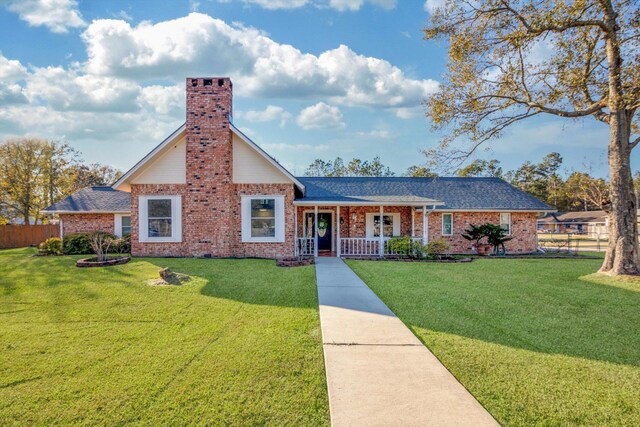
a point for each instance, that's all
(294, 262)
(93, 262)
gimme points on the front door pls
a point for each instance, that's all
(325, 229)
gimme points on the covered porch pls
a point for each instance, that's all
(340, 228)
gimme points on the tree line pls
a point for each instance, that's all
(35, 173)
(566, 191)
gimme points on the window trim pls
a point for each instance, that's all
(370, 224)
(245, 214)
(117, 224)
(176, 219)
(442, 220)
(500, 221)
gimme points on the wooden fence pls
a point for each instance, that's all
(18, 236)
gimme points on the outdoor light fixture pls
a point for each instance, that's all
(353, 216)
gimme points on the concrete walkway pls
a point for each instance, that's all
(378, 372)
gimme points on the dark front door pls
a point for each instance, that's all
(325, 229)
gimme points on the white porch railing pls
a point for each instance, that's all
(359, 246)
(366, 246)
(305, 246)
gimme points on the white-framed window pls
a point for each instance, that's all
(160, 218)
(447, 224)
(262, 218)
(122, 224)
(390, 224)
(505, 221)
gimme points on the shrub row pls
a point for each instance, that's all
(408, 247)
(80, 244)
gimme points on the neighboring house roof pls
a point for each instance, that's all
(93, 200)
(179, 133)
(584, 216)
(446, 193)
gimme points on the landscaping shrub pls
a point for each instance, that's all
(51, 246)
(406, 246)
(496, 236)
(122, 245)
(76, 244)
(436, 248)
(101, 243)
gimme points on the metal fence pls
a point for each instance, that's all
(573, 236)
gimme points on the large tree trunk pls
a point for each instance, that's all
(622, 253)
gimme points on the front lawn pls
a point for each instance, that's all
(538, 342)
(237, 345)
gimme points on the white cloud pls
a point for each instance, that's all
(341, 5)
(300, 148)
(11, 69)
(269, 114)
(375, 134)
(11, 72)
(278, 4)
(259, 66)
(432, 5)
(354, 5)
(57, 15)
(165, 100)
(64, 89)
(408, 113)
(320, 116)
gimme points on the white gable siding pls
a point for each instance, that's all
(249, 167)
(169, 168)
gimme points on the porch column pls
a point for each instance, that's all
(315, 230)
(381, 232)
(295, 231)
(338, 249)
(413, 222)
(424, 225)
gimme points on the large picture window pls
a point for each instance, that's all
(160, 218)
(447, 224)
(263, 218)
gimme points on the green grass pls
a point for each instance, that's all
(237, 345)
(538, 342)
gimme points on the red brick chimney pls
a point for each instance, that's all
(208, 211)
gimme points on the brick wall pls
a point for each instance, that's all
(157, 248)
(84, 223)
(264, 250)
(523, 230)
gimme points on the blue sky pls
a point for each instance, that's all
(312, 79)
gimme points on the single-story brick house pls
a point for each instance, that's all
(209, 190)
(582, 222)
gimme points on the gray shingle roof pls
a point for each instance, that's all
(456, 193)
(94, 199)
